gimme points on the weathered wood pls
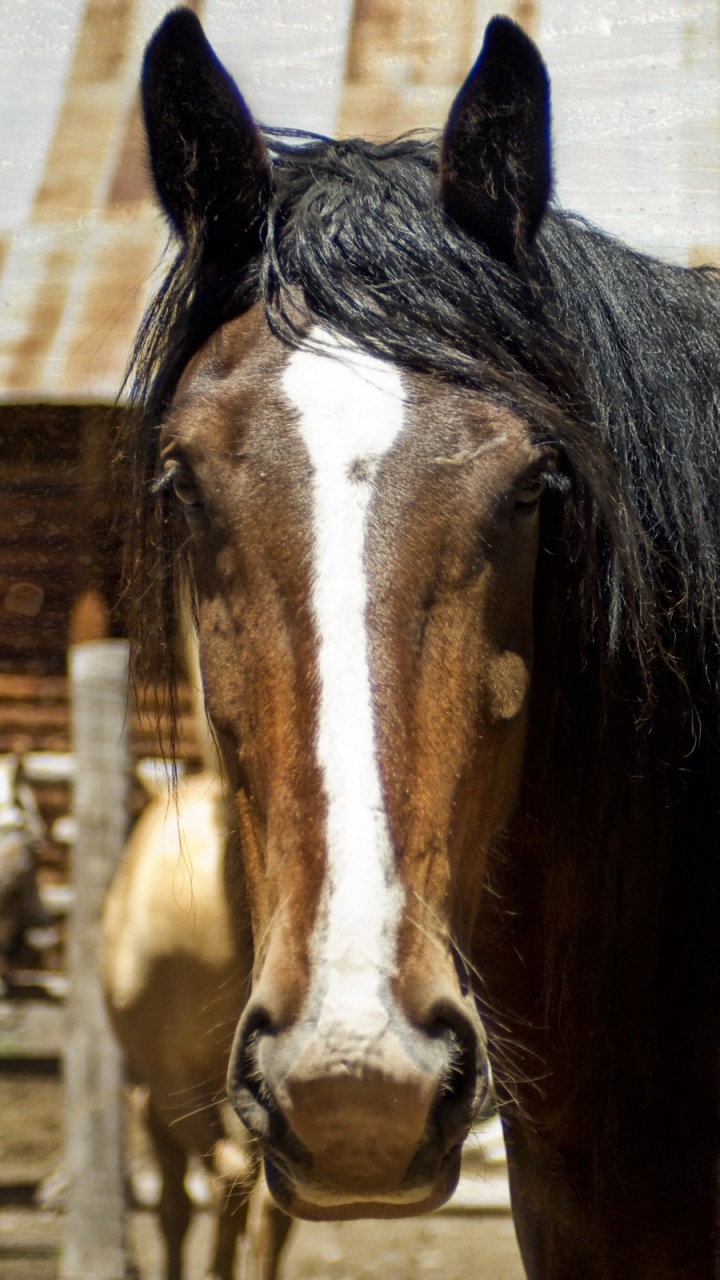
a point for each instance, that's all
(31, 1029)
(49, 766)
(94, 1237)
(37, 687)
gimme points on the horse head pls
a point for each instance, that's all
(362, 536)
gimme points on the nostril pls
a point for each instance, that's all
(247, 1088)
(250, 1092)
(465, 1082)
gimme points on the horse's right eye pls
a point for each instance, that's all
(184, 487)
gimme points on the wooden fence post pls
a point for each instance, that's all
(94, 1227)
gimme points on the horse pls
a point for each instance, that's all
(439, 462)
(174, 978)
(23, 919)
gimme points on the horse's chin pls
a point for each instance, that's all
(316, 1204)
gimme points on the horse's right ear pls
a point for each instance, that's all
(208, 160)
(495, 174)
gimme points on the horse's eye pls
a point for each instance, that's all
(532, 491)
(184, 487)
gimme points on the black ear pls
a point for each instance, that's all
(208, 159)
(495, 174)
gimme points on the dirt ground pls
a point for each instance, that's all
(439, 1247)
(431, 1248)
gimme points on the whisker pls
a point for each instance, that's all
(506, 1049)
(188, 1115)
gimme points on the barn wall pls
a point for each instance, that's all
(637, 138)
(53, 527)
(636, 95)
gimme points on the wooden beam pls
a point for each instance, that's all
(94, 1232)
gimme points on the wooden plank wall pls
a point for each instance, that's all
(49, 513)
(636, 92)
(56, 548)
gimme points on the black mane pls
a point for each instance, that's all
(612, 356)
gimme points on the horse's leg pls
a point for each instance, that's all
(232, 1173)
(175, 1207)
(267, 1232)
(231, 1223)
(274, 1231)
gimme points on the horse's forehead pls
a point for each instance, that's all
(245, 380)
(241, 354)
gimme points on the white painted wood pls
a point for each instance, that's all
(38, 37)
(48, 766)
(94, 1233)
(288, 60)
(636, 92)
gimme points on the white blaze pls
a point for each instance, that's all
(351, 410)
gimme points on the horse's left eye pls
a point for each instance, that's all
(530, 494)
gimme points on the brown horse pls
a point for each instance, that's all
(174, 979)
(441, 465)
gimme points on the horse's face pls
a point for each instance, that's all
(363, 543)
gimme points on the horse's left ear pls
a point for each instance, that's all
(495, 174)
